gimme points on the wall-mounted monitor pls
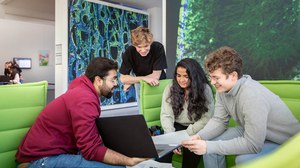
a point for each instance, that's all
(24, 63)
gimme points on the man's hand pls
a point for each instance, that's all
(195, 144)
(126, 87)
(134, 161)
(195, 137)
(151, 81)
(115, 158)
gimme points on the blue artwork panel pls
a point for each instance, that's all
(97, 30)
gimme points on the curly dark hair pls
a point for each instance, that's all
(225, 58)
(197, 101)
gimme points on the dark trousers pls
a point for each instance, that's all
(189, 160)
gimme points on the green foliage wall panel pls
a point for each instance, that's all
(266, 33)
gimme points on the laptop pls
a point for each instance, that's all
(4, 78)
(130, 136)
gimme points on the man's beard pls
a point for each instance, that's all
(106, 92)
(108, 95)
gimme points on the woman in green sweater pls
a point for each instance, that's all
(187, 104)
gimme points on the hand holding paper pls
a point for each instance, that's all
(195, 144)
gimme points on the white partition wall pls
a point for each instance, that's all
(61, 46)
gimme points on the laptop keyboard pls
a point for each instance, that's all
(159, 150)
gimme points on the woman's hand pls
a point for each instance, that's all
(177, 151)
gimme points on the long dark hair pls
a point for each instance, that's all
(197, 101)
(13, 72)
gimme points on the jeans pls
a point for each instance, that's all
(218, 161)
(68, 160)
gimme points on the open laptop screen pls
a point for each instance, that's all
(128, 135)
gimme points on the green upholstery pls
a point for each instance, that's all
(19, 106)
(287, 155)
(150, 101)
(287, 90)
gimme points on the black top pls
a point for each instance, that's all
(6, 72)
(142, 66)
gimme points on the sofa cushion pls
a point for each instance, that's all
(19, 106)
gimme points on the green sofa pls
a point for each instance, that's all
(150, 97)
(19, 106)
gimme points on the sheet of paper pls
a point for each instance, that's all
(173, 138)
(151, 164)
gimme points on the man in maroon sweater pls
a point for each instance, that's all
(65, 133)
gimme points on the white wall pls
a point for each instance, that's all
(25, 39)
(61, 39)
(156, 23)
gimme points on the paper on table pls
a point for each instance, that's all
(151, 164)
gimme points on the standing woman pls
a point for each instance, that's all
(187, 104)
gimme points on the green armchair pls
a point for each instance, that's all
(150, 101)
(19, 106)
